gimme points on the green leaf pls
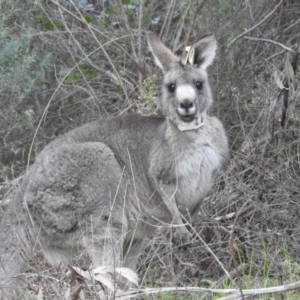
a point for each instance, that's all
(45, 24)
(84, 67)
(93, 73)
(74, 105)
(109, 13)
(92, 20)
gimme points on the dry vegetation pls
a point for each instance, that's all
(64, 63)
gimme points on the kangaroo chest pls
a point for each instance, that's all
(196, 166)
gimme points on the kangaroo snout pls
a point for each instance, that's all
(187, 107)
(186, 101)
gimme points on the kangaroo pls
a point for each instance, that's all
(104, 186)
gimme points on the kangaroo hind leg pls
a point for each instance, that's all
(75, 194)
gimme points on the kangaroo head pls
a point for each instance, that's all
(186, 93)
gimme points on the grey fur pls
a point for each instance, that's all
(104, 186)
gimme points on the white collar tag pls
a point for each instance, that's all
(189, 56)
(197, 123)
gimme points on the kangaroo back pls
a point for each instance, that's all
(102, 187)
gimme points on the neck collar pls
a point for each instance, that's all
(198, 122)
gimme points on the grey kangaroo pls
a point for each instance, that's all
(103, 187)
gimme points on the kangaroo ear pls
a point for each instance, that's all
(203, 52)
(163, 57)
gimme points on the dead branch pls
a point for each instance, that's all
(166, 25)
(240, 213)
(257, 25)
(127, 26)
(235, 294)
(287, 84)
(291, 26)
(233, 247)
(270, 125)
(94, 29)
(269, 41)
(192, 24)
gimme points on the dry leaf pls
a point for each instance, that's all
(40, 294)
(278, 81)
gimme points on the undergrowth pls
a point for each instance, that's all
(65, 63)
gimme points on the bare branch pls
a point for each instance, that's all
(291, 26)
(188, 36)
(287, 83)
(258, 24)
(269, 41)
(127, 26)
(270, 126)
(244, 210)
(91, 27)
(167, 29)
(168, 16)
(140, 59)
(101, 46)
(235, 294)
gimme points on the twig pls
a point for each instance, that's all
(252, 17)
(270, 126)
(186, 264)
(285, 93)
(233, 274)
(291, 26)
(241, 212)
(141, 7)
(179, 31)
(189, 32)
(91, 27)
(167, 29)
(287, 84)
(125, 20)
(44, 114)
(258, 24)
(275, 55)
(233, 248)
(269, 41)
(80, 49)
(264, 291)
(235, 294)
(211, 252)
(167, 17)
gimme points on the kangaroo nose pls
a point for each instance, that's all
(186, 105)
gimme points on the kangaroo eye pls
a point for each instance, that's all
(171, 87)
(199, 85)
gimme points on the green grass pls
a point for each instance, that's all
(253, 277)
